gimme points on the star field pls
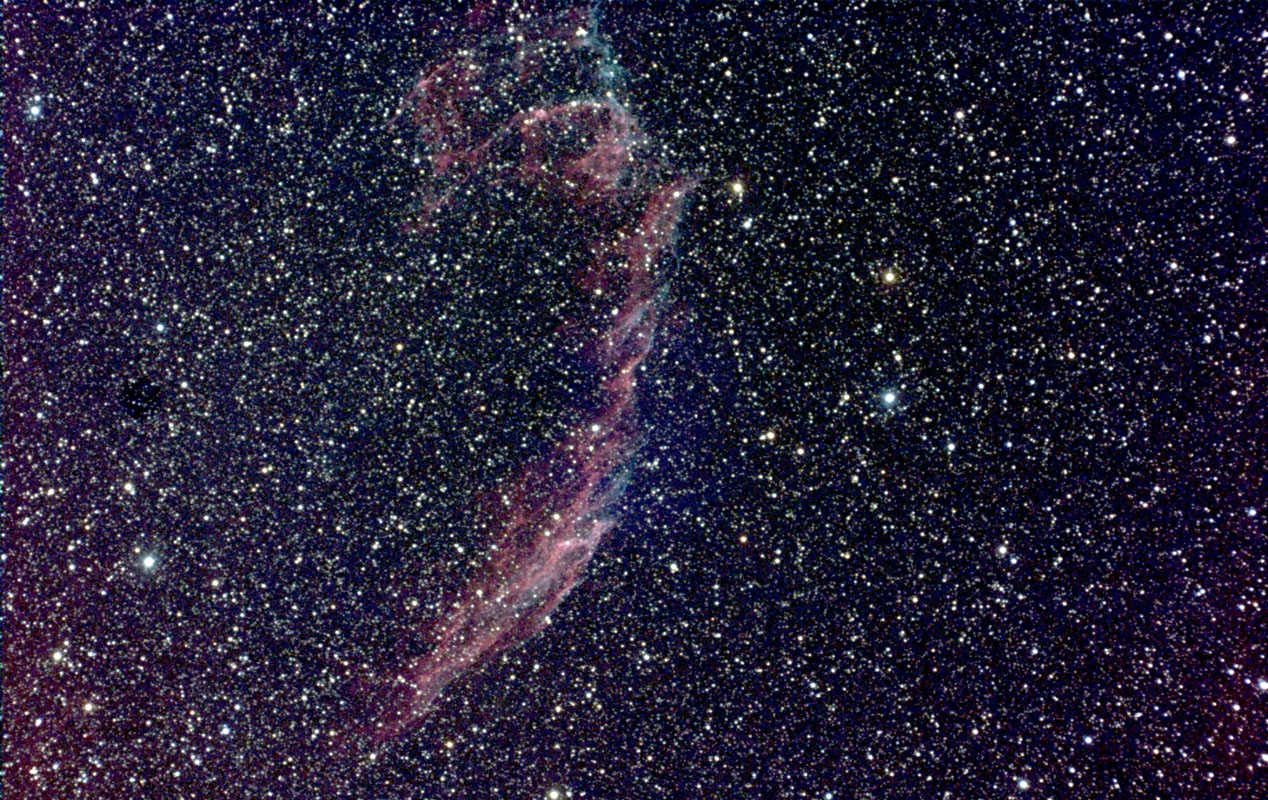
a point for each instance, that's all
(950, 479)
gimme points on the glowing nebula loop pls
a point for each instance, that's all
(497, 122)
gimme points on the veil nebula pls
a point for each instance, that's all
(533, 111)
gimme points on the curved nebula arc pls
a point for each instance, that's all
(513, 121)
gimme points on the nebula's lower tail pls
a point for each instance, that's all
(582, 153)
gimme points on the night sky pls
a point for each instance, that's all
(939, 472)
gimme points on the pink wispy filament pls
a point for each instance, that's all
(553, 512)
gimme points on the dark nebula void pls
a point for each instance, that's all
(532, 114)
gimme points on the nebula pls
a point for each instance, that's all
(531, 110)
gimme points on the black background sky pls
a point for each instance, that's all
(953, 483)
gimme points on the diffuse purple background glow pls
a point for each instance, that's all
(943, 474)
